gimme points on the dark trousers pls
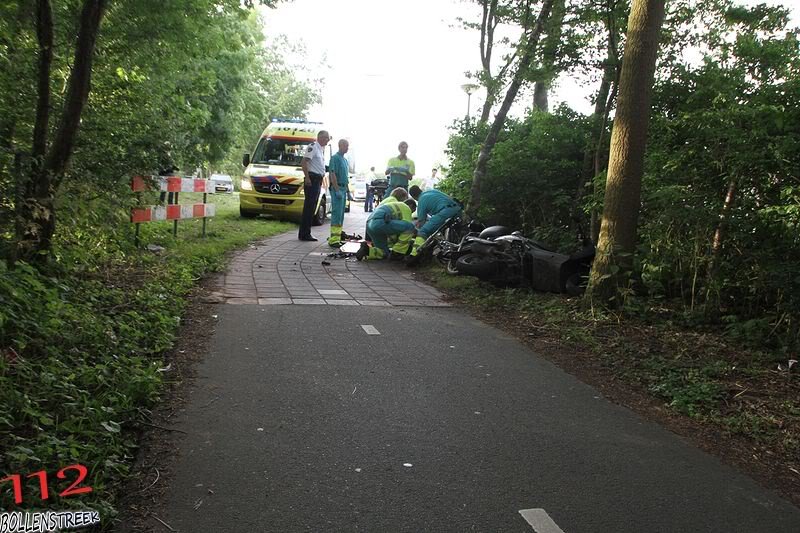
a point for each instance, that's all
(369, 200)
(309, 206)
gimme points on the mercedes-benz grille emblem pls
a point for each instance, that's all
(275, 188)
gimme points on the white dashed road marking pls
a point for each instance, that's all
(370, 330)
(540, 521)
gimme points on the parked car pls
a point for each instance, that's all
(222, 183)
(358, 186)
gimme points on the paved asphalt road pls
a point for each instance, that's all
(301, 421)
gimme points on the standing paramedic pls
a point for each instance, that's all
(338, 175)
(313, 171)
(438, 206)
(400, 169)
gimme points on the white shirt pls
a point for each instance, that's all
(316, 158)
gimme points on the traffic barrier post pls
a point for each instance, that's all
(173, 210)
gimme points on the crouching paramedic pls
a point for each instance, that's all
(400, 244)
(438, 206)
(339, 176)
(391, 219)
(397, 195)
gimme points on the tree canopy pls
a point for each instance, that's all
(720, 203)
(191, 81)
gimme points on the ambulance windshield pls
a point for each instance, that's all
(280, 152)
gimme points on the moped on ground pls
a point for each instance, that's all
(504, 257)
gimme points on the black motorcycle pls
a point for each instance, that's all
(495, 254)
(556, 272)
(504, 257)
(443, 244)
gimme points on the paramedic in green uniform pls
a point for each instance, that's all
(338, 173)
(400, 169)
(390, 219)
(438, 206)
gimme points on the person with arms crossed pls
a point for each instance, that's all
(339, 178)
(313, 166)
(400, 169)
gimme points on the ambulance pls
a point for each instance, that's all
(272, 183)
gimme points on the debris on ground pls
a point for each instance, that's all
(354, 237)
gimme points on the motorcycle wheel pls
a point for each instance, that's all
(576, 283)
(452, 268)
(478, 265)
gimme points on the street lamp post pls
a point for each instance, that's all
(469, 88)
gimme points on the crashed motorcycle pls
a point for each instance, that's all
(443, 244)
(496, 254)
(504, 257)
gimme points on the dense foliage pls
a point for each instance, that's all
(533, 174)
(82, 337)
(721, 193)
(190, 83)
(82, 350)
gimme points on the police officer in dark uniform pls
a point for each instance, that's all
(313, 171)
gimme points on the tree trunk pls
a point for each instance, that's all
(550, 44)
(487, 106)
(44, 34)
(626, 163)
(540, 90)
(602, 108)
(719, 234)
(488, 25)
(598, 126)
(594, 227)
(37, 220)
(78, 88)
(491, 138)
(34, 209)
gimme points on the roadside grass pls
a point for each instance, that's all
(82, 351)
(696, 373)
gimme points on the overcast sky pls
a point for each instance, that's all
(393, 71)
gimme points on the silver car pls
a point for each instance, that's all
(222, 183)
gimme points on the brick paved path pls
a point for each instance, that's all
(284, 270)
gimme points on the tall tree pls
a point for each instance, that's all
(530, 42)
(611, 14)
(550, 56)
(493, 14)
(628, 140)
(193, 94)
(36, 213)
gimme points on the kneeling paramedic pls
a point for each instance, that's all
(339, 177)
(397, 195)
(438, 206)
(400, 245)
(391, 219)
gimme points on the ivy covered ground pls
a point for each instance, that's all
(82, 360)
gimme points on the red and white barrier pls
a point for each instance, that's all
(176, 212)
(171, 184)
(171, 212)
